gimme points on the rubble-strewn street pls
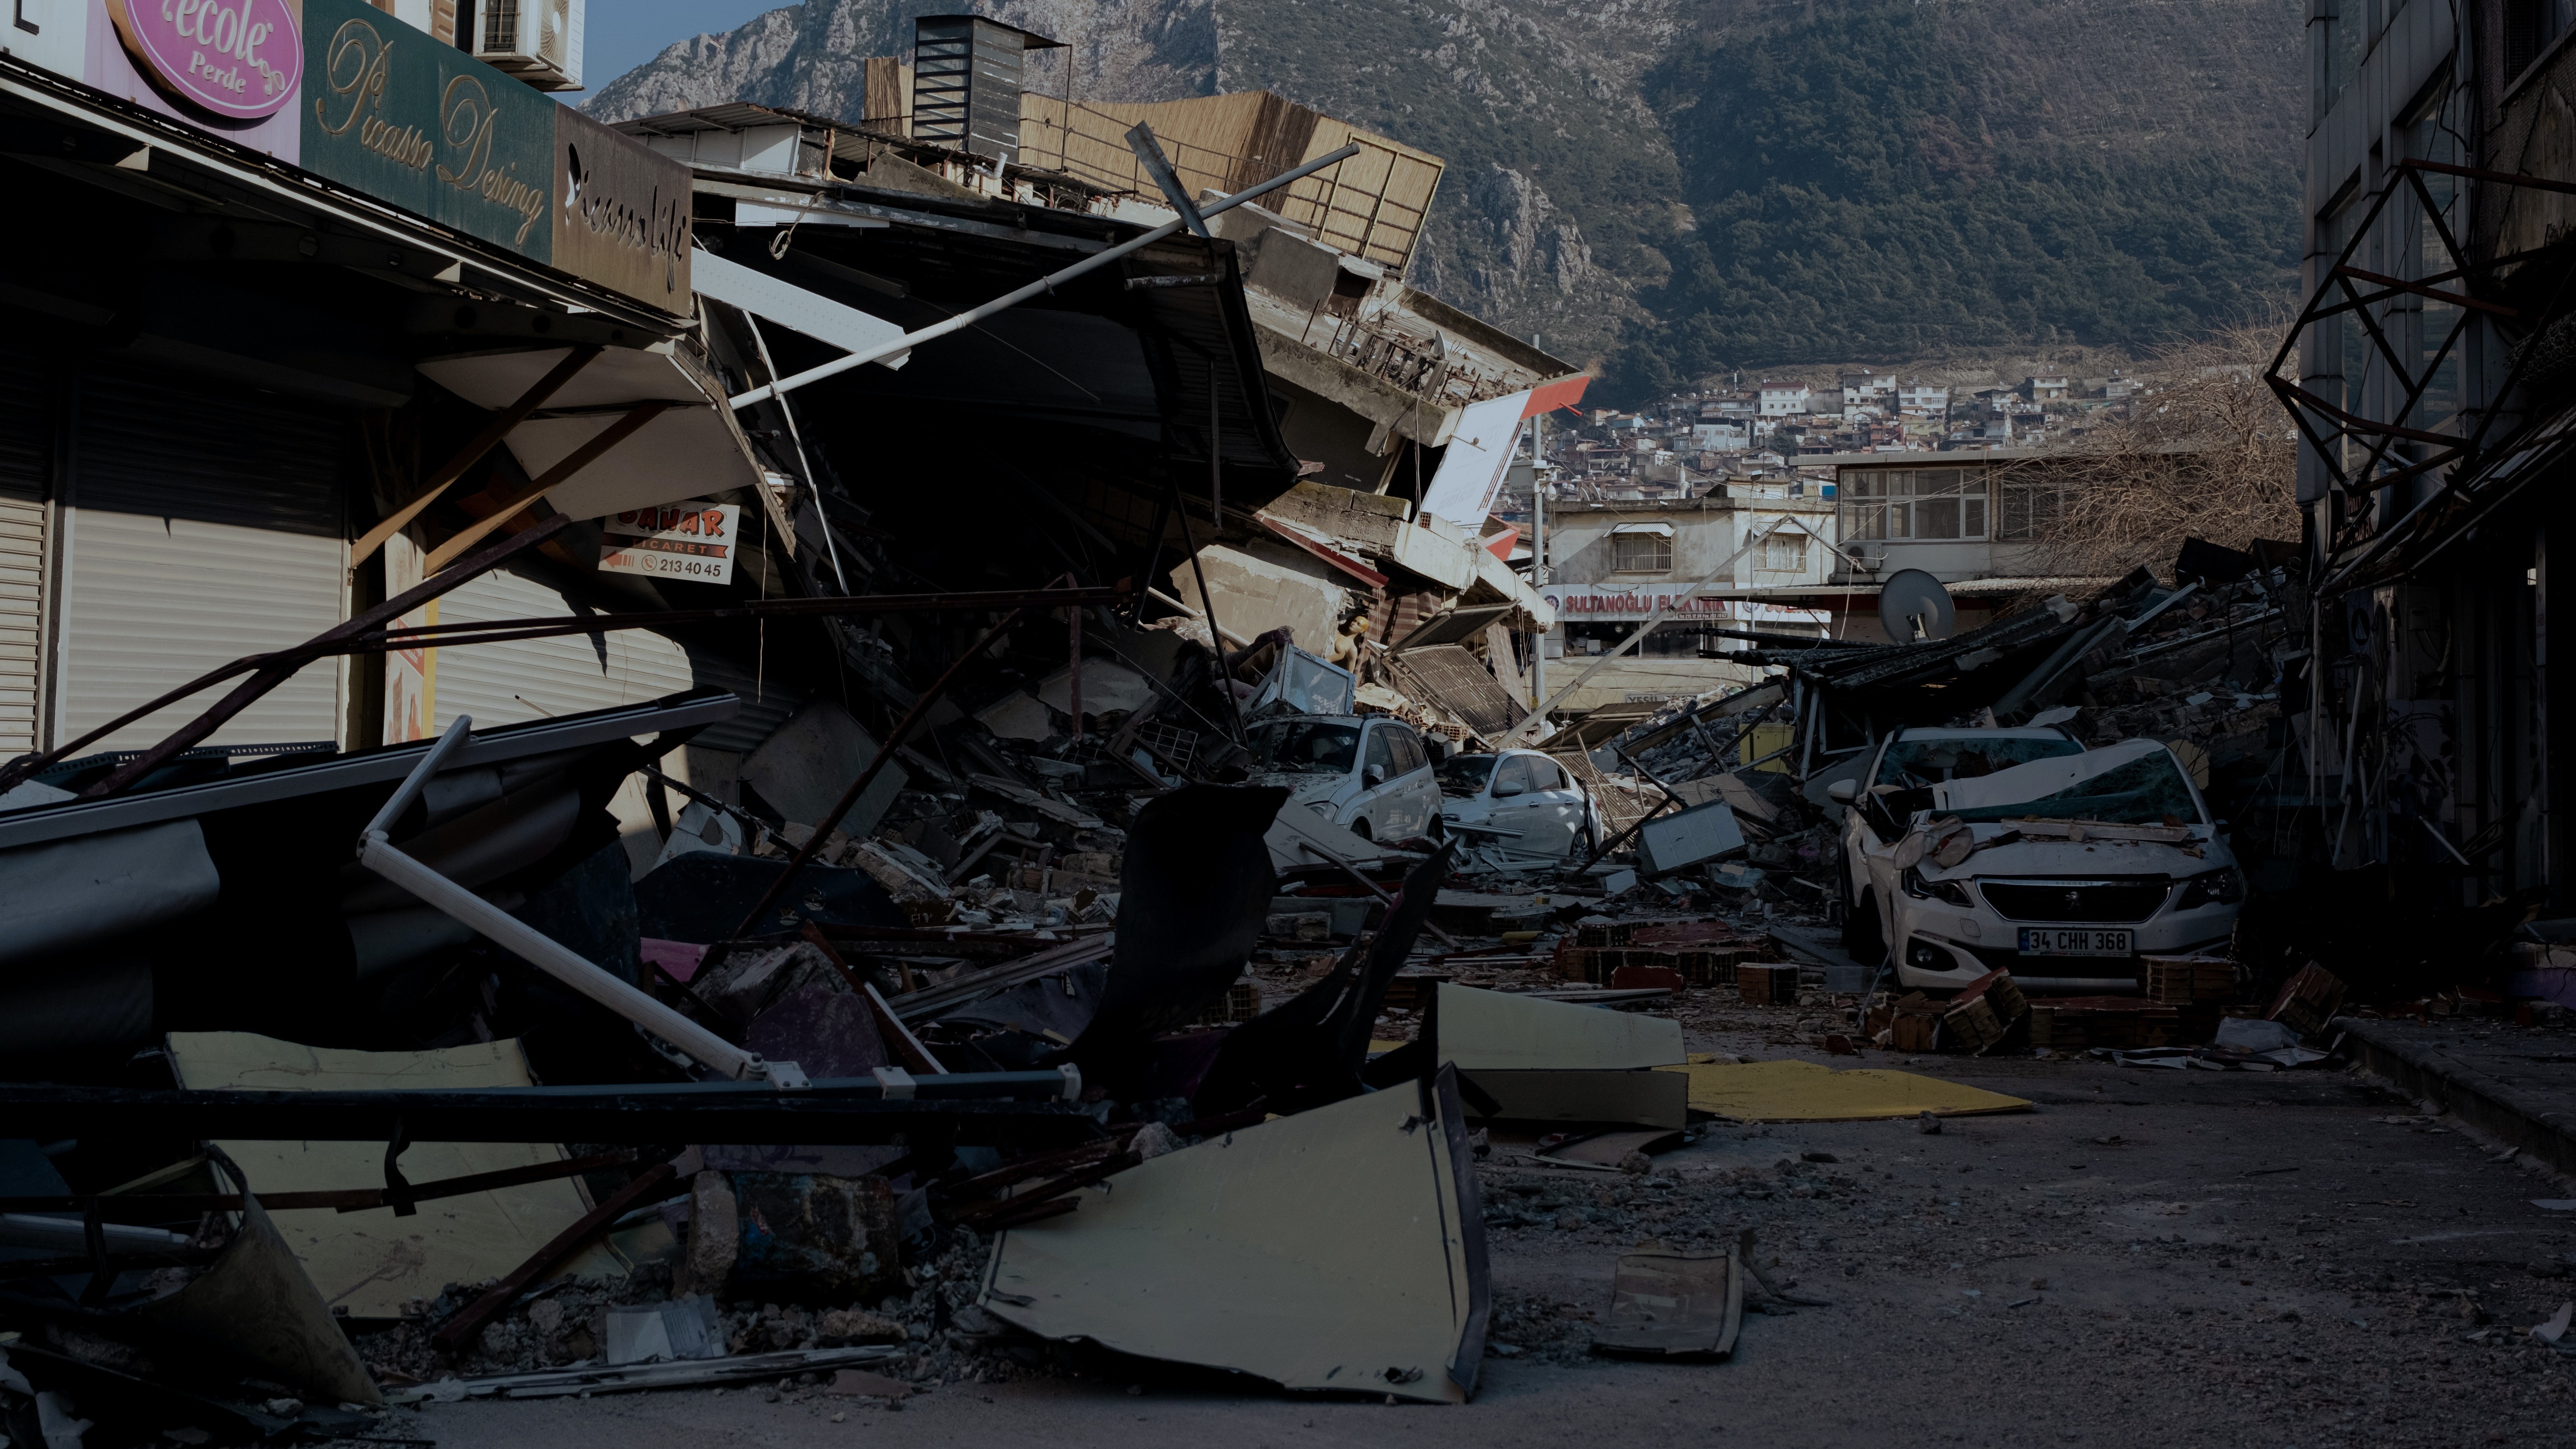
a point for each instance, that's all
(2249, 1260)
(960, 773)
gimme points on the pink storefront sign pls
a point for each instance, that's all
(239, 59)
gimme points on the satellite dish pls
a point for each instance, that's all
(1912, 606)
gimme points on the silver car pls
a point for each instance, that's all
(1520, 800)
(1366, 773)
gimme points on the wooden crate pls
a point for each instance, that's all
(1768, 984)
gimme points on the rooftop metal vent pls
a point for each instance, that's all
(966, 83)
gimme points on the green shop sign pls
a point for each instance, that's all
(421, 125)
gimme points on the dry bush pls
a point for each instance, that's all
(2206, 452)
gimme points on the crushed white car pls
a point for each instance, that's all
(1973, 849)
(1522, 802)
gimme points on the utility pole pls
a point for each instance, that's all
(1538, 543)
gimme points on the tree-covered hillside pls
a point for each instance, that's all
(1893, 180)
(1677, 187)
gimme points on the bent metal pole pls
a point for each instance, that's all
(1038, 288)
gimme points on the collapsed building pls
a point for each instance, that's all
(721, 645)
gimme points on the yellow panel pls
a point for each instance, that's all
(1789, 1091)
(373, 1262)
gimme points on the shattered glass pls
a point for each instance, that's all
(1463, 777)
(1305, 746)
(2149, 790)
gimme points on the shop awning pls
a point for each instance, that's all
(690, 449)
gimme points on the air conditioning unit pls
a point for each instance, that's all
(537, 41)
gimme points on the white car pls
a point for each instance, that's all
(1972, 849)
(1520, 800)
(1366, 773)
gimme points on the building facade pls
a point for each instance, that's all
(2424, 380)
(1613, 564)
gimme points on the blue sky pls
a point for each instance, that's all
(619, 35)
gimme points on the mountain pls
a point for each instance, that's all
(1676, 187)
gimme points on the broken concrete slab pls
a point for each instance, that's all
(808, 1239)
(1348, 1253)
(1673, 842)
(1256, 594)
(802, 768)
(661, 1332)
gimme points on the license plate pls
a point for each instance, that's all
(2074, 941)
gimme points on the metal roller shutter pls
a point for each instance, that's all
(200, 522)
(22, 619)
(529, 679)
(26, 455)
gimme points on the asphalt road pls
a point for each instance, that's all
(2148, 1258)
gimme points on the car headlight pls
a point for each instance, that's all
(2211, 888)
(1934, 890)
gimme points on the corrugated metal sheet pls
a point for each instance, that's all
(26, 457)
(26, 426)
(201, 523)
(22, 620)
(531, 679)
(173, 447)
(1459, 683)
(153, 602)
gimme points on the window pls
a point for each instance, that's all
(1464, 776)
(1920, 504)
(1408, 750)
(1306, 746)
(2529, 26)
(2029, 498)
(2423, 325)
(1641, 553)
(1544, 775)
(1514, 778)
(1381, 754)
(1784, 552)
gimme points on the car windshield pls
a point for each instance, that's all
(2149, 790)
(1306, 746)
(1464, 776)
(1920, 764)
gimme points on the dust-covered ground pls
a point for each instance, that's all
(2148, 1257)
